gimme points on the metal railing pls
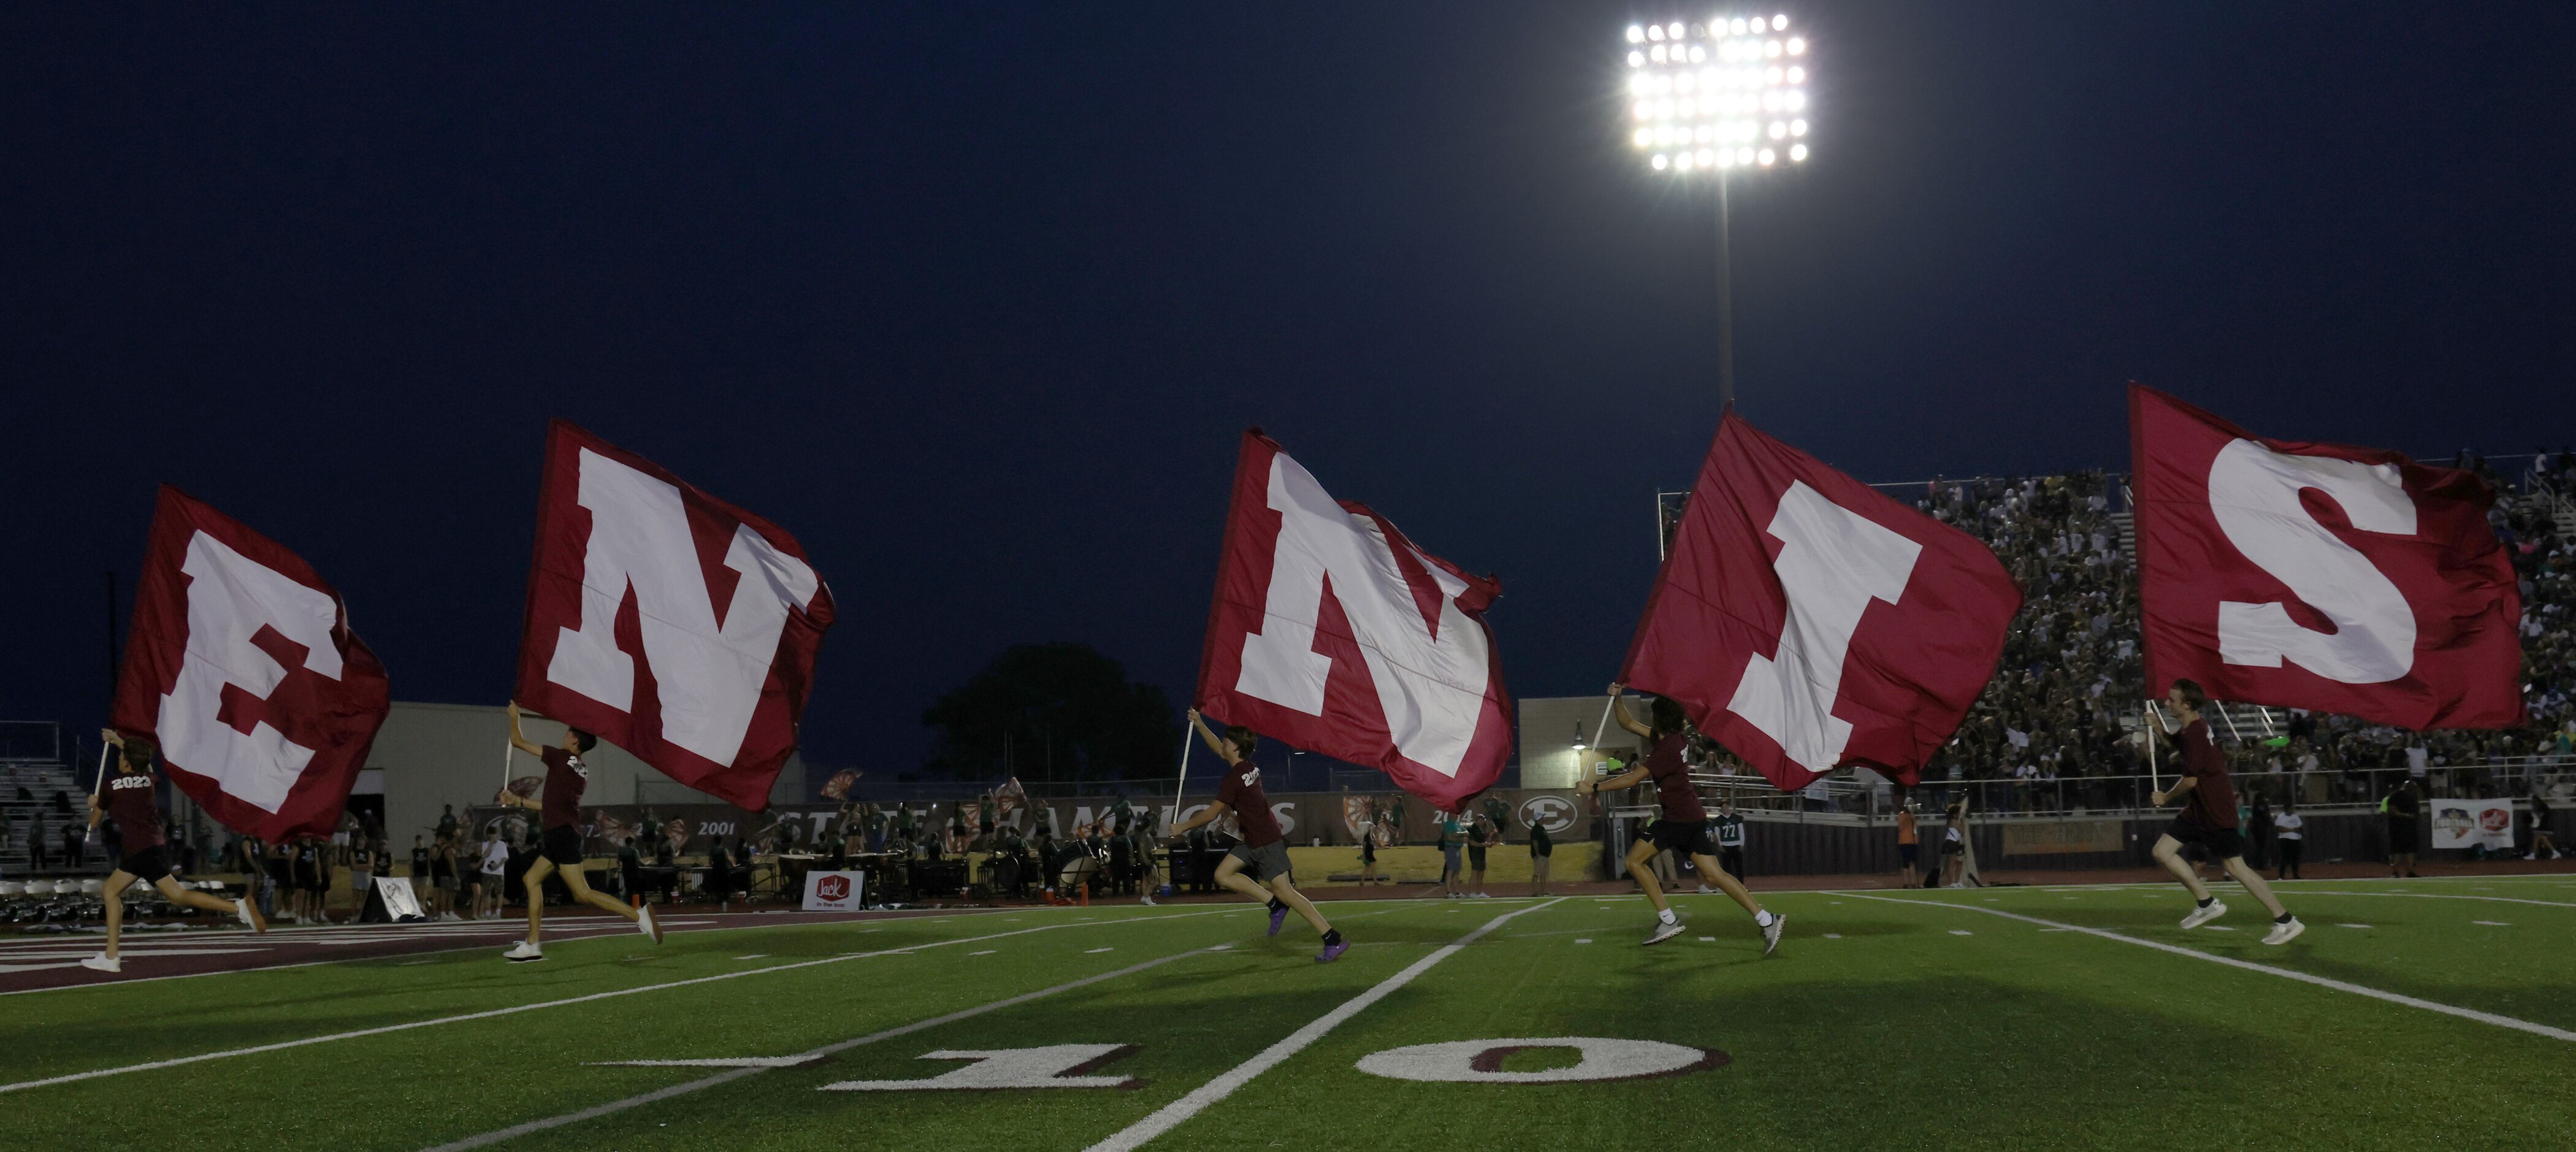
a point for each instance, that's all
(2129, 796)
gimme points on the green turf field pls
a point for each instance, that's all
(1887, 1020)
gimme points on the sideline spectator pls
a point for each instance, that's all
(2289, 829)
(2403, 804)
(1541, 847)
(1908, 848)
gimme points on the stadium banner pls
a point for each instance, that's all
(834, 891)
(390, 900)
(667, 622)
(2472, 824)
(1305, 817)
(2320, 576)
(1805, 620)
(241, 665)
(2063, 837)
(1332, 631)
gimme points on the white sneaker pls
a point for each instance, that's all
(1705, 890)
(522, 952)
(103, 963)
(1147, 900)
(2205, 913)
(644, 923)
(1664, 931)
(2286, 931)
(1771, 933)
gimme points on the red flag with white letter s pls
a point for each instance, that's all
(2320, 576)
(242, 667)
(667, 622)
(1806, 621)
(1331, 631)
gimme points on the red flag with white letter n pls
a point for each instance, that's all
(2320, 576)
(1332, 632)
(1806, 621)
(242, 667)
(667, 622)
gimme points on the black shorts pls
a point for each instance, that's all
(151, 864)
(1475, 859)
(1686, 836)
(1541, 851)
(1908, 853)
(2401, 836)
(2222, 843)
(563, 846)
(1368, 853)
(1949, 847)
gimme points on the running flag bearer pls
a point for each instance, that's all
(2208, 818)
(1258, 866)
(131, 802)
(566, 778)
(1680, 826)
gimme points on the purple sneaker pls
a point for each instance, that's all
(1278, 917)
(1333, 951)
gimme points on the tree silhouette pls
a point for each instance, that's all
(1053, 712)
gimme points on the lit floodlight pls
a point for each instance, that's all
(1797, 153)
(1751, 95)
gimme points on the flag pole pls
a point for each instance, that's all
(98, 785)
(1187, 738)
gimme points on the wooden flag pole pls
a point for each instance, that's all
(97, 786)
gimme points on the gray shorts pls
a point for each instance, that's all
(1264, 863)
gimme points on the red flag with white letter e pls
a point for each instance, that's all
(242, 667)
(667, 622)
(1332, 632)
(1806, 621)
(2320, 576)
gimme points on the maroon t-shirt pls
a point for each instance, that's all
(2212, 803)
(1673, 787)
(131, 803)
(566, 778)
(1241, 791)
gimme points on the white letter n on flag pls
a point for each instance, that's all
(1416, 664)
(709, 674)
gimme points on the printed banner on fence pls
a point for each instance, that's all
(2473, 824)
(2061, 837)
(834, 891)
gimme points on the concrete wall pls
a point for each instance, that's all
(439, 754)
(1548, 727)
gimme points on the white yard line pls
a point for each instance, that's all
(2518, 1025)
(737, 1069)
(490, 1013)
(1171, 1115)
(2441, 896)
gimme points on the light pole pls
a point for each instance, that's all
(1707, 99)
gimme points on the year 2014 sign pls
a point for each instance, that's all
(834, 891)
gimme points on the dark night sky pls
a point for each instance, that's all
(975, 299)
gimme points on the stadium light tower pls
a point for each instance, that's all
(1711, 98)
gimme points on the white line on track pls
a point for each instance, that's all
(621, 925)
(759, 1065)
(2268, 970)
(515, 1009)
(1167, 1117)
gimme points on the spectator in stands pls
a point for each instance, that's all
(74, 838)
(36, 839)
(447, 820)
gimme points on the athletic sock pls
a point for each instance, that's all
(2206, 900)
(1278, 905)
(2283, 918)
(1666, 917)
(1762, 919)
(1332, 936)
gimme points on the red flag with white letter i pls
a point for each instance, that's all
(2320, 576)
(1806, 621)
(242, 667)
(1333, 632)
(667, 622)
